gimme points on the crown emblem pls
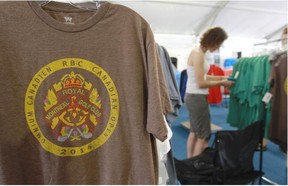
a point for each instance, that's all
(72, 80)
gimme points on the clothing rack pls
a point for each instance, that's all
(262, 117)
(265, 103)
(261, 151)
(269, 181)
(268, 42)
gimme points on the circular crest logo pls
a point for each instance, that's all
(72, 108)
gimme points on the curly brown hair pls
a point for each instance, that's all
(213, 37)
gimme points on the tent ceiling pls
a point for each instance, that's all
(249, 19)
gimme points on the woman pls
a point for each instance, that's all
(197, 90)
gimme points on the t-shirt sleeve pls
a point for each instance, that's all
(158, 102)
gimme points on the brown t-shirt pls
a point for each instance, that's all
(82, 95)
(278, 81)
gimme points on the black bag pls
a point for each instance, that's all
(235, 152)
(197, 170)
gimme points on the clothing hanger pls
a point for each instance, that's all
(43, 3)
(89, 5)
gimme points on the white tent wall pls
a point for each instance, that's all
(178, 46)
(178, 24)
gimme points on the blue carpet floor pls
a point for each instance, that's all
(274, 161)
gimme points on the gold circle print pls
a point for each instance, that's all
(68, 118)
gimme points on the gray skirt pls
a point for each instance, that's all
(199, 115)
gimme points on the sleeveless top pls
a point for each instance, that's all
(192, 86)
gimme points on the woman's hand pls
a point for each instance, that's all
(227, 83)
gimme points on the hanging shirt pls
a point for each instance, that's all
(183, 84)
(170, 78)
(215, 95)
(278, 81)
(82, 96)
(176, 102)
(246, 106)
